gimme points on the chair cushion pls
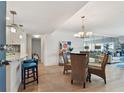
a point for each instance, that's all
(28, 65)
(94, 64)
(28, 60)
(94, 67)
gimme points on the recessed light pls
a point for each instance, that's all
(36, 36)
(7, 18)
(20, 37)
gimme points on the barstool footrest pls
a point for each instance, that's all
(30, 81)
(29, 77)
(30, 73)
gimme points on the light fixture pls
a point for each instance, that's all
(83, 33)
(76, 35)
(20, 36)
(89, 33)
(13, 29)
(7, 18)
(36, 36)
(13, 26)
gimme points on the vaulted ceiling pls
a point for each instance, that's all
(40, 17)
(102, 18)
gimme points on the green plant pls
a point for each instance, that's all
(70, 49)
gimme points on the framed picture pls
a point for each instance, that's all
(97, 47)
(86, 47)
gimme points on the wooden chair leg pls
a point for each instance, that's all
(37, 74)
(24, 77)
(89, 75)
(27, 73)
(84, 84)
(104, 79)
(71, 81)
(64, 71)
(87, 78)
(33, 70)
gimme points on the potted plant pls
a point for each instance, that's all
(70, 49)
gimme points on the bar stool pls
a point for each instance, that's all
(29, 70)
(30, 61)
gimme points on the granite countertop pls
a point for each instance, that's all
(14, 56)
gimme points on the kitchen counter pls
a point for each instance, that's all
(13, 74)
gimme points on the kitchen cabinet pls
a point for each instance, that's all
(12, 38)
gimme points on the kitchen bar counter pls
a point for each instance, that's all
(13, 74)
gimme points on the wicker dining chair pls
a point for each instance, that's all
(79, 67)
(98, 70)
(67, 64)
(88, 55)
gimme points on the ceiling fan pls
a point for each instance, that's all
(14, 27)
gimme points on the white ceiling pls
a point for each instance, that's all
(102, 18)
(43, 17)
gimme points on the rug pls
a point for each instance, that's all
(120, 65)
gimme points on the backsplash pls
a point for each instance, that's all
(13, 52)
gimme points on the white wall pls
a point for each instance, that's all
(23, 43)
(51, 46)
(43, 38)
(29, 45)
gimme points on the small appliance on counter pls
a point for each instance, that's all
(4, 62)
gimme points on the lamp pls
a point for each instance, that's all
(13, 26)
(83, 33)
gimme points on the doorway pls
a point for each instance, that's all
(36, 47)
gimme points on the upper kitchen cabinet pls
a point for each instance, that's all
(13, 37)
